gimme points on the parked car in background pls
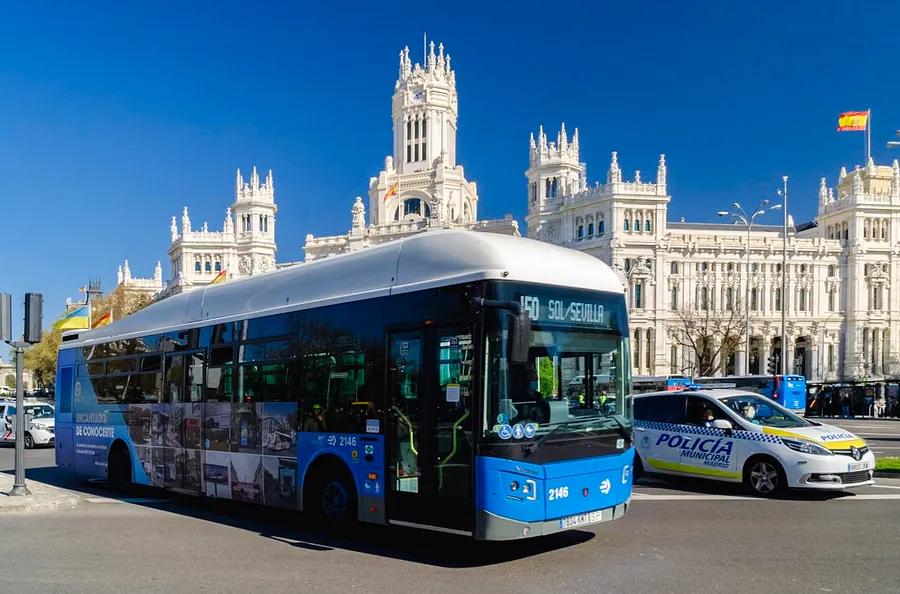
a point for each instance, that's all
(41, 431)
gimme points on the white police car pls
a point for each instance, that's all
(43, 425)
(738, 436)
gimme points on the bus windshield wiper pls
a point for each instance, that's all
(530, 448)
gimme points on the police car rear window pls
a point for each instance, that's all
(660, 409)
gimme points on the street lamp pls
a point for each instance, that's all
(894, 143)
(741, 216)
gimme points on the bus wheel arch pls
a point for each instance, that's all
(764, 476)
(639, 470)
(329, 491)
(118, 465)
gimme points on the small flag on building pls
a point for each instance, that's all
(103, 320)
(77, 319)
(392, 191)
(220, 278)
(853, 121)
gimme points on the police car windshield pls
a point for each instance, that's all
(39, 412)
(759, 410)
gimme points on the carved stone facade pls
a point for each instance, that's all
(244, 246)
(843, 316)
(421, 185)
(152, 287)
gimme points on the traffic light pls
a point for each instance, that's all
(34, 311)
(5, 317)
(772, 366)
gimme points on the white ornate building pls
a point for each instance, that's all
(421, 185)
(134, 285)
(244, 246)
(843, 309)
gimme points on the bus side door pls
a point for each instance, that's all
(429, 429)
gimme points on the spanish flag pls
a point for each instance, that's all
(77, 319)
(220, 278)
(392, 191)
(853, 121)
(103, 320)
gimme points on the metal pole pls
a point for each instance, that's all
(747, 304)
(784, 283)
(19, 487)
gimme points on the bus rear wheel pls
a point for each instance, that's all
(332, 499)
(118, 469)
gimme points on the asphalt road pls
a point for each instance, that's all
(683, 536)
(883, 436)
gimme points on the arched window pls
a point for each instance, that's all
(627, 226)
(590, 229)
(580, 231)
(397, 214)
(637, 225)
(704, 298)
(600, 229)
(674, 268)
(647, 226)
(207, 267)
(197, 267)
(674, 297)
(218, 266)
(412, 206)
(831, 270)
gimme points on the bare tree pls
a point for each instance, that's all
(709, 334)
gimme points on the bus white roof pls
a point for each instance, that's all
(430, 259)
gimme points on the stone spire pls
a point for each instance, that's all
(119, 276)
(562, 139)
(270, 181)
(238, 181)
(126, 272)
(228, 227)
(637, 176)
(575, 141)
(857, 182)
(157, 272)
(614, 175)
(661, 171)
(823, 192)
(173, 230)
(830, 195)
(185, 222)
(843, 172)
(870, 166)
(254, 180)
(532, 144)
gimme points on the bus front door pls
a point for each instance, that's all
(429, 475)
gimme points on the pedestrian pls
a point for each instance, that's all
(845, 404)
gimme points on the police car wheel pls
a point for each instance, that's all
(764, 476)
(638, 467)
(29, 441)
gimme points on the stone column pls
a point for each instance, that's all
(740, 360)
(763, 353)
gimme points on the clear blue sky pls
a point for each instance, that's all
(114, 116)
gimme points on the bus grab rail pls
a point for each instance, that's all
(452, 451)
(409, 425)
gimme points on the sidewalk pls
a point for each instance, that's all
(43, 497)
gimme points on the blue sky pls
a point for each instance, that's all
(114, 116)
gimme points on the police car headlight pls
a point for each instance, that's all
(806, 447)
(40, 426)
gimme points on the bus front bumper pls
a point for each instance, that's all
(494, 527)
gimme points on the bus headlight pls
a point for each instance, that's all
(806, 447)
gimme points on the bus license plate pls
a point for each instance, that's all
(855, 466)
(580, 519)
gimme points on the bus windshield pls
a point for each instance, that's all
(575, 378)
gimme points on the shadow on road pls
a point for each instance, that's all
(708, 487)
(294, 529)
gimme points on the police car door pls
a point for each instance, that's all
(708, 451)
(658, 419)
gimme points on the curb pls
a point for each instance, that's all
(33, 503)
(887, 474)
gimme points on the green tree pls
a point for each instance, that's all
(40, 359)
(10, 381)
(546, 377)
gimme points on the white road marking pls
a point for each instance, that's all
(880, 486)
(693, 497)
(871, 496)
(877, 435)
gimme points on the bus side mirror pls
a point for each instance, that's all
(519, 337)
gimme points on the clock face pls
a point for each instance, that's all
(419, 95)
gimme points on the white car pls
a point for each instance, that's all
(43, 424)
(738, 436)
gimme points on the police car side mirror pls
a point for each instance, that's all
(723, 424)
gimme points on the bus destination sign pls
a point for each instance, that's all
(562, 311)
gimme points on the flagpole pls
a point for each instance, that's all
(868, 135)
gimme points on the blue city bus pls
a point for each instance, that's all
(791, 393)
(660, 383)
(413, 383)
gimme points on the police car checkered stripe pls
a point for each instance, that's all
(714, 431)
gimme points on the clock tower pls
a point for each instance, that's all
(421, 181)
